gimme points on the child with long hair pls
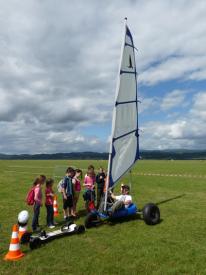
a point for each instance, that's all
(77, 188)
(38, 182)
(89, 184)
(49, 199)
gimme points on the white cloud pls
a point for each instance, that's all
(59, 63)
(186, 131)
(173, 99)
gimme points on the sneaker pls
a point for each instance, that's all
(51, 226)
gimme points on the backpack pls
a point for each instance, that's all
(60, 185)
(30, 197)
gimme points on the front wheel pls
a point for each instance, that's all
(91, 220)
(151, 214)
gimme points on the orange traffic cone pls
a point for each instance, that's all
(55, 206)
(14, 248)
(22, 231)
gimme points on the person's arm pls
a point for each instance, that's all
(37, 195)
(64, 189)
(113, 196)
(128, 201)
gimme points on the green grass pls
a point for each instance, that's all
(176, 246)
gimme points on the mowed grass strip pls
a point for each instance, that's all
(176, 246)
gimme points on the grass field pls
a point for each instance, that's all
(176, 246)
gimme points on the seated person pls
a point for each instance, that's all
(121, 201)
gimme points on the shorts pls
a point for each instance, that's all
(68, 202)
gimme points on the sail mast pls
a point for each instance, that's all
(113, 117)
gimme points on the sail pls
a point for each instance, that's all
(124, 149)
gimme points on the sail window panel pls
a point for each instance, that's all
(125, 155)
(127, 88)
(128, 60)
(126, 119)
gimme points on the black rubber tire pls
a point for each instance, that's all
(80, 229)
(90, 220)
(35, 243)
(25, 238)
(151, 214)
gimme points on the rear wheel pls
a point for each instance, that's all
(80, 229)
(151, 214)
(91, 220)
(35, 243)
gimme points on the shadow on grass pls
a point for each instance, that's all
(170, 199)
(137, 217)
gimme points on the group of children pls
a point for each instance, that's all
(70, 188)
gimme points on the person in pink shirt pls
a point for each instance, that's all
(89, 184)
(37, 201)
(49, 199)
(77, 188)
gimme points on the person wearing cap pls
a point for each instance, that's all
(121, 201)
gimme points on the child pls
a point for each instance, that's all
(89, 194)
(77, 188)
(49, 196)
(100, 178)
(68, 192)
(37, 202)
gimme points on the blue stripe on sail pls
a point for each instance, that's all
(126, 134)
(125, 102)
(132, 46)
(128, 72)
(129, 34)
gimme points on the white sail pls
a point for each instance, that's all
(124, 149)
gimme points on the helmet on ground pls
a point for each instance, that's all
(23, 217)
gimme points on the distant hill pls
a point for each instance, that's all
(150, 154)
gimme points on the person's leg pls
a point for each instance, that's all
(50, 218)
(65, 207)
(35, 221)
(100, 192)
(116, 206)
(71, 204)
(52, 214)
(75, 203)
(47, 216)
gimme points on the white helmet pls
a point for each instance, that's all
(23, 217)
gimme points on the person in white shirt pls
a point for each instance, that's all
(121, 201)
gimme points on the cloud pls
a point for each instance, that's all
(186, 131)
(59, 64)
(173, 99)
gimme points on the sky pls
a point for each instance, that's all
(59, 64)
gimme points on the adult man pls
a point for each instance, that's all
(123, 200)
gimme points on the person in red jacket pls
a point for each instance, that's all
(49, 199)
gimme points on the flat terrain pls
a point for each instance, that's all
(176, 246)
